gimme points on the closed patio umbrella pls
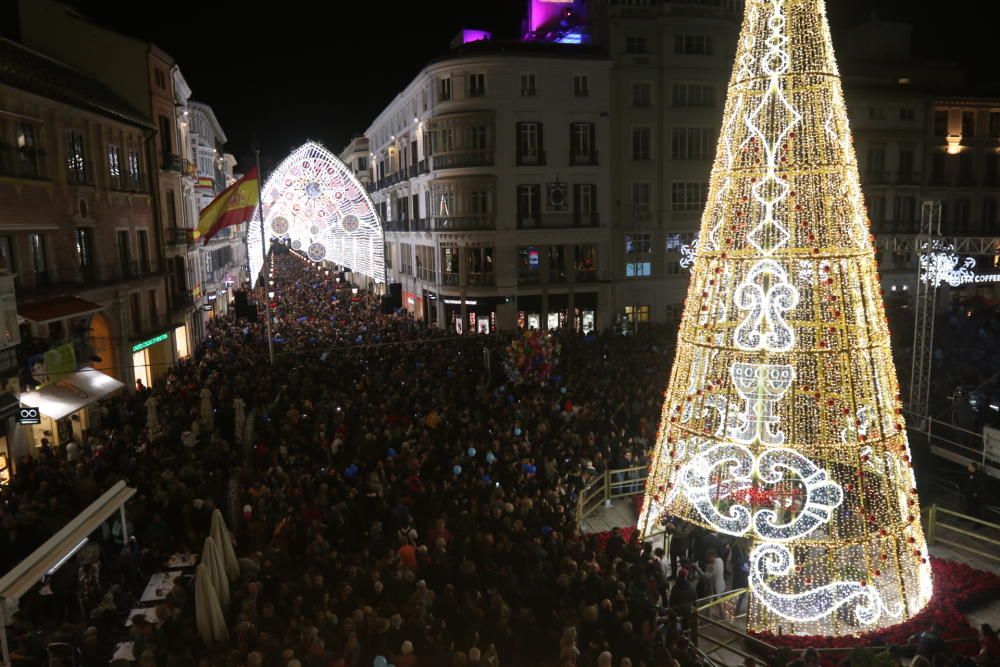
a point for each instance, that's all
(212, 559)
(208, 613)
(224, 543)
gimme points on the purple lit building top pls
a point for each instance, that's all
(557, 21)
(475, 35)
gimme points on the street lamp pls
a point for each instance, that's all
(270, 295)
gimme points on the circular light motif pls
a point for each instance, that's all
(350, 223)
(279, 225)
(316, 252)
(296, 244)
(314, 230)
(313, 190)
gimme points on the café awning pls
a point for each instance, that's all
(58, 308)
(71, 393)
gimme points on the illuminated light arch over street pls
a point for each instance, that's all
(314, 201)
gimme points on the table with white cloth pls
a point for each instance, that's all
(181, 561)
(149, 613)
(160, 585)
(123, 652)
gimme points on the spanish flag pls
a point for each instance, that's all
(233, 206)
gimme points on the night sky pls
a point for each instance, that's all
(296, 71)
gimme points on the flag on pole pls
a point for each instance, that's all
(233, 206)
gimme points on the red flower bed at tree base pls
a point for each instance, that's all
(957, 586)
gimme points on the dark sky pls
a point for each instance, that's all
(310, 70)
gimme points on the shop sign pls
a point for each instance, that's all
(28, 415)
(458, 302)
(150, 342)
(196, 292)
(207, 306)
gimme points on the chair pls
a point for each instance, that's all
(60, 654)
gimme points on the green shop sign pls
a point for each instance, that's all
(152, 341)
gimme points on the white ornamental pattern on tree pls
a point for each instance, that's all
(782, 422)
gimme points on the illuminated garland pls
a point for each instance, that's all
(782, 422)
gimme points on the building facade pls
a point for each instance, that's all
(141, 75)
(78, 219)
(491, 172)
(356, 155)
(220, 263)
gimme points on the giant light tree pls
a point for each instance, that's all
(782, 422)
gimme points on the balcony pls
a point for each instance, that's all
(560, 221)
(908, 177)
(876, 177)
(179, 236)
(414, 225)
(171, 162)
(481, 279)
(450, 278)
(180, 301)
(531, 159)
(583, 159)
(73, 278)
(462, 159)
(25, 164)
(424, 166)
(465, 223)
(9, 361)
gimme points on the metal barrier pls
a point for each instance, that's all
(609, 485)
(934, 524)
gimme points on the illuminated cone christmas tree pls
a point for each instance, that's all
(782, 422)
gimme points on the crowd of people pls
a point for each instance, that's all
(394, 499)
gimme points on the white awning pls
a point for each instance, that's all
(71, 393)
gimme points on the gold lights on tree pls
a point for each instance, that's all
(782, 423)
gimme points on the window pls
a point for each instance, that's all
(76, 162)
(84, 242)
(528, 264)
(636, 314)
(529, 204)
(904, 212)
(37, 244)
(479, 203)
(124, 254)
(135, 303)
(692, 143)
(641, 143)
(688, 196)
(693, 95)
(477, 84)
(480, 265)
(161, 81)
(135, 172)
(585, 203)
(528, 85)
(906, 174)
(994, 124)
(444, 91)
(529, 144)
(992, 176)
(142, 240)
(907, 114)
(965, 162)
(581, 142)
(640, 200)
(693, 45)
(477, 136)
(166, 141)
(941, 123)
(876, 113)
(585, 262)
(961, 216)
(989, 215)
(642, 93)
(557, 264)
(406, 259)
(27, 150)
(937, 168)
(171, 208)
(581, 85)
(154, 316)
(876, 165)
(7, 254)
(362, 164)
(638, 269)
(876, 209)
(635, 45)
(638, 242)
(968, 124)
(114, 167)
